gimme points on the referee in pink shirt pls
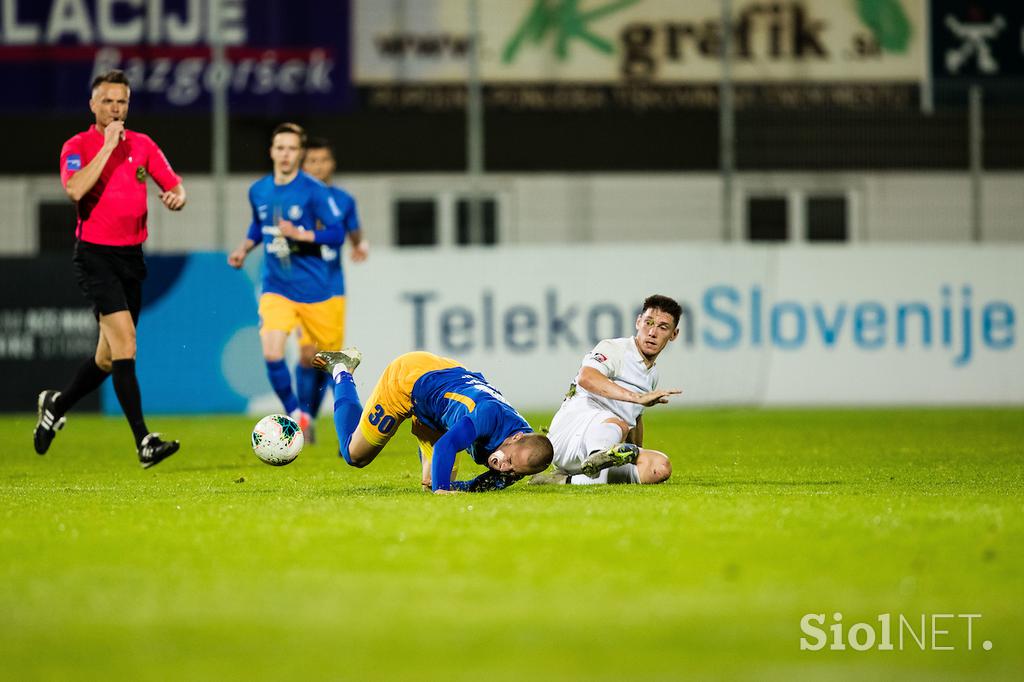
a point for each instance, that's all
(104, 170)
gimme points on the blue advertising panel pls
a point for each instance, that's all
(283, 55)
(199, 348)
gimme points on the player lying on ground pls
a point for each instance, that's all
(598, 432)
(453, 409)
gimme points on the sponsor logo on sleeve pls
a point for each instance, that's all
(73, 162)
(600, 357)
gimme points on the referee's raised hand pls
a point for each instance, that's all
(113, 134)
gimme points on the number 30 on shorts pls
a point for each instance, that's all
(385, 423)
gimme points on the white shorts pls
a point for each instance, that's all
(571, 436)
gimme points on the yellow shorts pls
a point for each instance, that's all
(391, 401)
(305, 339)
(322, 324)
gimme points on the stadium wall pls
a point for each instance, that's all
(574, 208)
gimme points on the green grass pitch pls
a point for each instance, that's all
(214, 566)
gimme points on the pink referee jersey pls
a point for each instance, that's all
(113, 213)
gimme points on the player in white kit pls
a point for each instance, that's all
(598, 432)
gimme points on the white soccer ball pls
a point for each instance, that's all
(277, 439)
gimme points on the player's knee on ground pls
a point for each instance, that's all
(654, 467)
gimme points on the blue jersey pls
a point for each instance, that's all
(332, 255)
(442, 398)
(295, 270)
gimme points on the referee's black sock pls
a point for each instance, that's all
(126, 386)
(86, 380)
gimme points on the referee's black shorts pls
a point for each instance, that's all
(111, 277)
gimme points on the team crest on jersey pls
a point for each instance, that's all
(600, 357)
(140, 174)
(294, 212)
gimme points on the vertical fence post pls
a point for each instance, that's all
(976, 135)
(219, 160)
(475, 128)
(726, 123)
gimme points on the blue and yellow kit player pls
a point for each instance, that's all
(310, 383)
(286, 206)
(452, 409)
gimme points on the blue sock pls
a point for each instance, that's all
(319, 392)
(347, 410)
(310, 385)
(281, 380)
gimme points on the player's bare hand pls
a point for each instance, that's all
(237, 257)
(113, 133)
(656, 397)
(360, 252)
(172, 200)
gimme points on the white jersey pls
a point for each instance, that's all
(620, 361)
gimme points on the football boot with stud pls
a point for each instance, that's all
(617, 455)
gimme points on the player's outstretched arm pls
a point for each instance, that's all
(655, 397)
(597, 383)
(459, 437)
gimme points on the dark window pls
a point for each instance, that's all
(826, 219)
(415, 222)
(489, 215)
(57, 221)
(767, 219)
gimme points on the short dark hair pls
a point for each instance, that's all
(114, 76)
(319, 143)
(293, 128)
(664, 304)
(539, 451)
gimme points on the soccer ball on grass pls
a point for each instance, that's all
(277, 439)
